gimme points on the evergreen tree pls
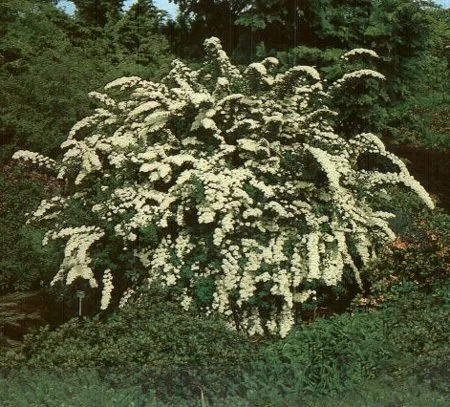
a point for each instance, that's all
(204, 18)
(137, 35)
(98, 12)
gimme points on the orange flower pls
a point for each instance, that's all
(399, 244)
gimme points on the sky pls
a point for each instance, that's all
(172, 8)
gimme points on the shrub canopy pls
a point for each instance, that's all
(231, 188)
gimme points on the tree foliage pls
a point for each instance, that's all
(50, 61)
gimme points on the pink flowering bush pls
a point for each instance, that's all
(230, 188)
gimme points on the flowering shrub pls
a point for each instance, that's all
(229, 187)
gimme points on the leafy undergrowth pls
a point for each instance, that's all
(392, 347)
(395, 355)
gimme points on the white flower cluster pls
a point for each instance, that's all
(76, 263)
(359, 51)
(49, 209)
(367, 142)
(217, 56)
(235, 182)
(125, 297)
(107, 289)
(358, 75)
(124, 82)
(35, 158)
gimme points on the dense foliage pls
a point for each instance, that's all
(20, 192)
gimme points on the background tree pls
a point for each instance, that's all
(137, 36)
(98, 12)
(36, 71)
(50, 61)
(409, 36)
(204, 18)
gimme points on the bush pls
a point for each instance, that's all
(230, 188)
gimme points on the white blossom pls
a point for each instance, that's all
(360, 51)
(107, 289)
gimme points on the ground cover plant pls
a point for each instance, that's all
(329, 361)
(231, 188)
